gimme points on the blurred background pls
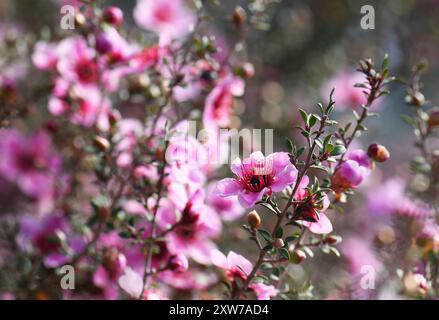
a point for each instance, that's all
(297, 47)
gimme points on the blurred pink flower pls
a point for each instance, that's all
(44, 56)
(76, 62)
(45, 235)
(219, 102)
(29, 161)
(359, 254)
(257, 176)
(196, 224)
(238, 267)
(235, 265)
(169, 19)
(228, 208)
(346, 96)
(352, 171)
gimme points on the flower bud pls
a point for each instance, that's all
(333, 239)
(104, 214)
(101, 143)
(178, 263)
(297, 256)
(278, 243)
(239, 16)
(102, 43)
(378, 152)
(80, 20)
(415, 99)
(254, 220)
(113, 15)
(415, 284)
(433, 118)
(245, 70)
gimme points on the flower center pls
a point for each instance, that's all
(163, 13)
(86, 71)
(256, 183)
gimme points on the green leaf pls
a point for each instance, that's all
(409, 120)
(279, 232)
(335, 251)
(266, 235)
(338, 150)
(312, 120)
(300, 151)
(124, 234)
(289, 144)
(283, 252)
(304, 116)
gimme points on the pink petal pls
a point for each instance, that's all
(227, 187)
(323, 226)
(235, 259)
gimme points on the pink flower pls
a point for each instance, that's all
(312, 215)
(228, 209)
(76, 62)
(178, 263)
(352, 171)
(346, 95)
(238, 267)
(257, 176)
(106, 274)
(44, 236)
(359, 254)
(235, 265)
(196, 224)
(29, 161)
(169, 19)
(263, 291)
(219, 103)
(87, 108)
(44, 56)
(131, 282)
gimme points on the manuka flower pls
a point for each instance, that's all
(257, 176)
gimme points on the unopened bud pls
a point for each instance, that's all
(80, 20)
(246, 70)
(113, 15)
(415, 284)
(297, 256)
(254, 220)
(104, 214)
(101, 143)
(415, 99)
(178, 263)
(378, 152)
(433, 118)
(239, 16)
(278, 243)
(332, 239)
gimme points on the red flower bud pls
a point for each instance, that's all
(113, 15)
(378, 152)
(253, 219)
(278, 243)
(178, 263)
(297, 256)
(433, 118)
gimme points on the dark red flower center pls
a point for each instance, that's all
(256, 183)
(86, 71)
(163, 13)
